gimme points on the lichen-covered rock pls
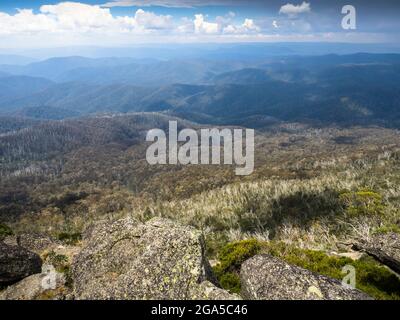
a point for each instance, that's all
(42, 286)
(208, 291)
(130, 260)
(264, 277)
(32, 241)
(17, 263)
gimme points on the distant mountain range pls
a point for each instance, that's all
(348, 89)
(215, 51)
(11, 59)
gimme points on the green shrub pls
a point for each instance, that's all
(230, 281)
(231, 258)
(214, 243)
(62, 264)
(59, 261)
(70, 238)
(5, 231)
(388, 228)
(376, 280)
(364, 202)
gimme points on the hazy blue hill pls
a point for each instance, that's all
(367, 74)
(53, 68)
(119, 98)
(14, 87)
(243, 76)
(316, 68)
(152, 74)
(360, 88)
(85, 98)
(15, 59)
(144, 72)
(170, 97)
(220, 51)
(46, 113)
(236, 101)
(230, 103)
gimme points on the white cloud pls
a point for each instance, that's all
(226, 19)
(150, 20)
(247, 27)
(202, 26)
(294, 10)
(78, 18)
(74, 17)
(186, 26)
(74, 23)
(25, 21)
(222, 25)
(171, 3)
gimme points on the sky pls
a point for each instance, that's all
(49, 23)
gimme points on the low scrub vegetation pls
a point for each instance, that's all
(70, 238)
(307, 193)
(5, 231)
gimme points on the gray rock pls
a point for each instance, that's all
(17, 263)
(129, 260)
(32, 241)
(385, 248)
(42, 286)
(264, 277)
(208, 291)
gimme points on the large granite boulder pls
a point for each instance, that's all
(17, 263)
(129, 260)
(32, 241)
(48, 285)
(264, 277)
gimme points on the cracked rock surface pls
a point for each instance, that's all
(130, 260)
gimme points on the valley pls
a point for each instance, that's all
(327, 150)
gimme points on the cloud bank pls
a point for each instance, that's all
(294, 10)
(76, 23)
(80, 18)
(171, 3)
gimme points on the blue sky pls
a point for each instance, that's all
(108, 23)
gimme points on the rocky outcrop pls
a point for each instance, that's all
(129, 260)
(43, 286)
(264, 277)
(32, 241)
(385, 248)
(208, 291)
(17, 263)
